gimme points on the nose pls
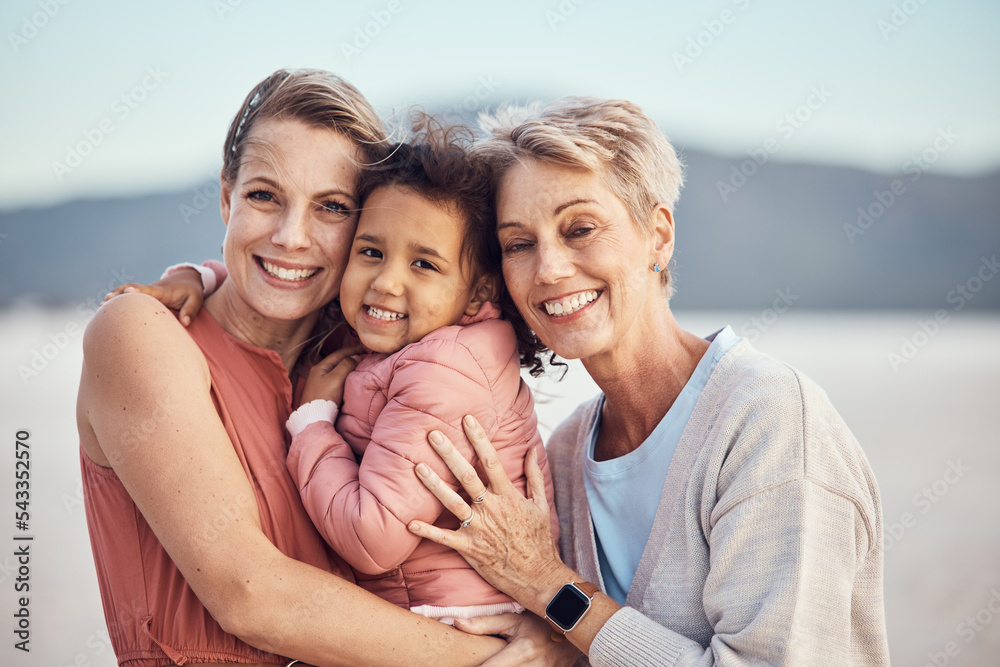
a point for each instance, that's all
(388, 280)
(553, 262)
(292, 233)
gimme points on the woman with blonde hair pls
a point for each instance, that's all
(714, 508)
(203, 550)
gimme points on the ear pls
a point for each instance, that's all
(662, 235)
(225, 192)
(485, 290)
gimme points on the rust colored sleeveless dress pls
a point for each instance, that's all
(154, 618)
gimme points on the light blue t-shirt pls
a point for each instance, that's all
(624, 492)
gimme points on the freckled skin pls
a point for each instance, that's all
(292, 202)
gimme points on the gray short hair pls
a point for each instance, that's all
(611, 137)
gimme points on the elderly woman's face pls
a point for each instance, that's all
(576, 265)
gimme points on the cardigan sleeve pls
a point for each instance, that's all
(779, 588)
(363, 510)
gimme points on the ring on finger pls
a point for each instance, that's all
(480, 498)
(467, 522)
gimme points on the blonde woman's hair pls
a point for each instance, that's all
(613, 138)
(315, 97)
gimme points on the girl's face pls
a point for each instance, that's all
(406, 275)
(576, 265)
(290, 217)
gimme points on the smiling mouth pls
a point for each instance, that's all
(384, 315)
(572, 303)
(281, 273)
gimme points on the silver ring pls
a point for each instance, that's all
(465, 524)
(481, 498)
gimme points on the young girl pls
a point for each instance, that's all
(419, 290)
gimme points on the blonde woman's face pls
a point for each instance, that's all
(576, 265)
(290, 218)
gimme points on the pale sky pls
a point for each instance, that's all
(148, 89)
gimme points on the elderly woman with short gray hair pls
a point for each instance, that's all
(714, 508)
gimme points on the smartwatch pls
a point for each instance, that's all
(569, 606)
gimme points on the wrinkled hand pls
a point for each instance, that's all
(181, 290)
(528, 638)
(509, 541)
(326, 379)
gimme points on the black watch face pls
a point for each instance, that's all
(567, 606)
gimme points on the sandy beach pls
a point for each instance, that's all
(929, 426)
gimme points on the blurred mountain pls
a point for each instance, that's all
(747, 234)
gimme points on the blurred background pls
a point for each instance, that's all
(840, 211)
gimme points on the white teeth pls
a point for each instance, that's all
(282, 273)
(387, 315)
(571, 304)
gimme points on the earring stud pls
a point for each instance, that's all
(656, 268)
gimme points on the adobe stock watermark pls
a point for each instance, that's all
(224, 7)
(914, 167)
(40, 357)
(704, 39)
(203, 196)
(32, 24)
(755, 326)
(923, 501)
(899, 16)
(121, 108)
(363, 35)
(786, 127)
(471, 103)
(562, 12)
(970, 627)
(97, 644)
(961, 295)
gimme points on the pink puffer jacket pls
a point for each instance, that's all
(391, 403)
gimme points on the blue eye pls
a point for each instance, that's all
(514, 248)
(261, 195)
(336, 207)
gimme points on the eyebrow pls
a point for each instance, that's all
(416, 247)
(424, 250)
(558, 209)
(265, 180)
(562, 207)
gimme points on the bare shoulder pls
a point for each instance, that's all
(137, 332)
(135, 353)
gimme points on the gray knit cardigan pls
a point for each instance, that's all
(767, 543)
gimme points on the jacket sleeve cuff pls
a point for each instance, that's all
(219, 268)
(319, 410)
(208, 279)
